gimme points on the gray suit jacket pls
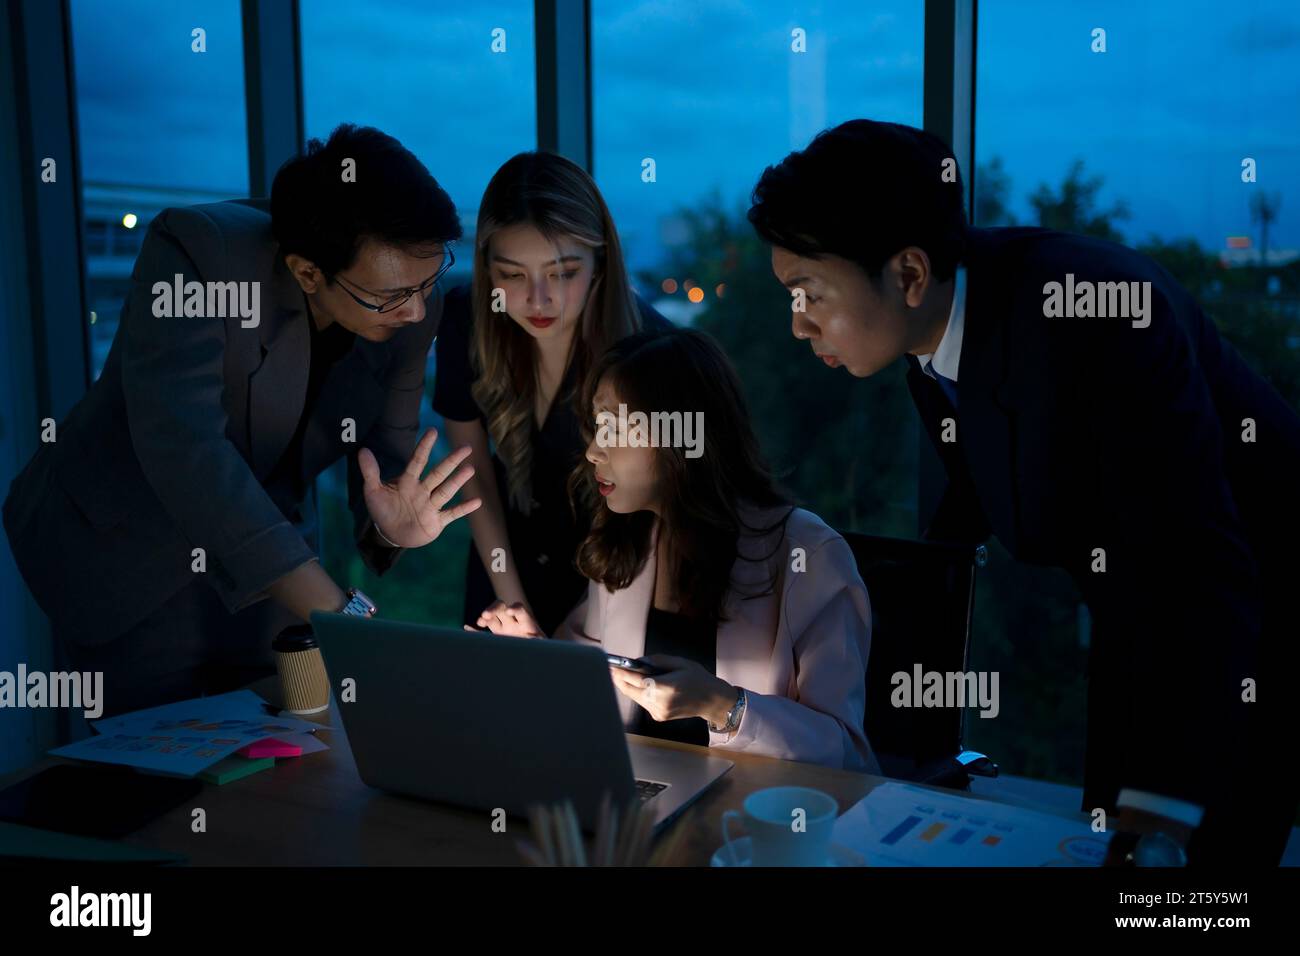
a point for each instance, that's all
(168, 450)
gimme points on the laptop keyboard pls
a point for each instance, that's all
(645, 789)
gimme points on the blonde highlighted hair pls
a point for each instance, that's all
(559, 199)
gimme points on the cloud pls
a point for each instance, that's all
(1260, 35)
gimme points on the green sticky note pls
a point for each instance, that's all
(234, 767)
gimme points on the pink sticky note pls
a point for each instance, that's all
(270, 747)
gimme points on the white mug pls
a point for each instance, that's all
(787, 826)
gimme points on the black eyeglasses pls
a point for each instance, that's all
(397, 301)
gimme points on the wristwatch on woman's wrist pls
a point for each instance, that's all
(358, 605)
(734, 717)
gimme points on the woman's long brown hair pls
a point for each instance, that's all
(680, 370)
(558, 198)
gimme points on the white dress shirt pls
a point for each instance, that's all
(947, 357)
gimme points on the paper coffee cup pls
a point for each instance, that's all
(303, 680)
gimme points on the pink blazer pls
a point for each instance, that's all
(800, 652)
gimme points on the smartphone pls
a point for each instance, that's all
(636, 665)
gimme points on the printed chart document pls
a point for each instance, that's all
(897, 824)
(186, 737)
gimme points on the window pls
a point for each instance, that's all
(710, 96)
(161, 123)
(1143, 143)
(427, 74)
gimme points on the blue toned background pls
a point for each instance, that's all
(1142, 143)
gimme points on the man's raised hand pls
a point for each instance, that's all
(409, 510)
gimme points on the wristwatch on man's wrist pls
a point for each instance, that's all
(358, 605)
(734, 717)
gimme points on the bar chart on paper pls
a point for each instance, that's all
(901, 825)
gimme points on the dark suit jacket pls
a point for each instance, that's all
(1077, 434)
(168, 450)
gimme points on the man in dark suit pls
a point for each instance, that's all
(1089, 415)
(254, 351)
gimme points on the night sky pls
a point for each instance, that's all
(1185, 90)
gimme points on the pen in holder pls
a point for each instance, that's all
(621, 839)
(303, 680)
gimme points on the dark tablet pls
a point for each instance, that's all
(93, 800)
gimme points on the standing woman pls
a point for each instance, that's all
(549, 294)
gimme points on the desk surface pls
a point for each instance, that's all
(315, 811)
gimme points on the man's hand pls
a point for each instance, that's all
(409, 511)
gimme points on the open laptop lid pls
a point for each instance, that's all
(474, 718)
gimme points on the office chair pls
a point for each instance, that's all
(922, 599)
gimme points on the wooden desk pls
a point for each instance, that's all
(315, 811)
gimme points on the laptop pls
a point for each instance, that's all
(485, 721)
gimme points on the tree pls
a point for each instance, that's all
(846, 448)
(1074, 208)
(1264, 208)
(992, 189)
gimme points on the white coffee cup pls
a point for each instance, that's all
(787, 826)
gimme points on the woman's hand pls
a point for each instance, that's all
(515, 620)
(408, 510)
(686, 690)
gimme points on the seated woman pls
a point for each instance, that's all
(753, 608)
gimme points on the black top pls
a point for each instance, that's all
(329, 346)
(545, 541)
(680, 636)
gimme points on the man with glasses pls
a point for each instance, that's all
(179, 493)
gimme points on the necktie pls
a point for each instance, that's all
(948, 385)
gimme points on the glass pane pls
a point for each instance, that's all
(1142, 143)
(160, 114)
(712, 95)
(428, 75)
